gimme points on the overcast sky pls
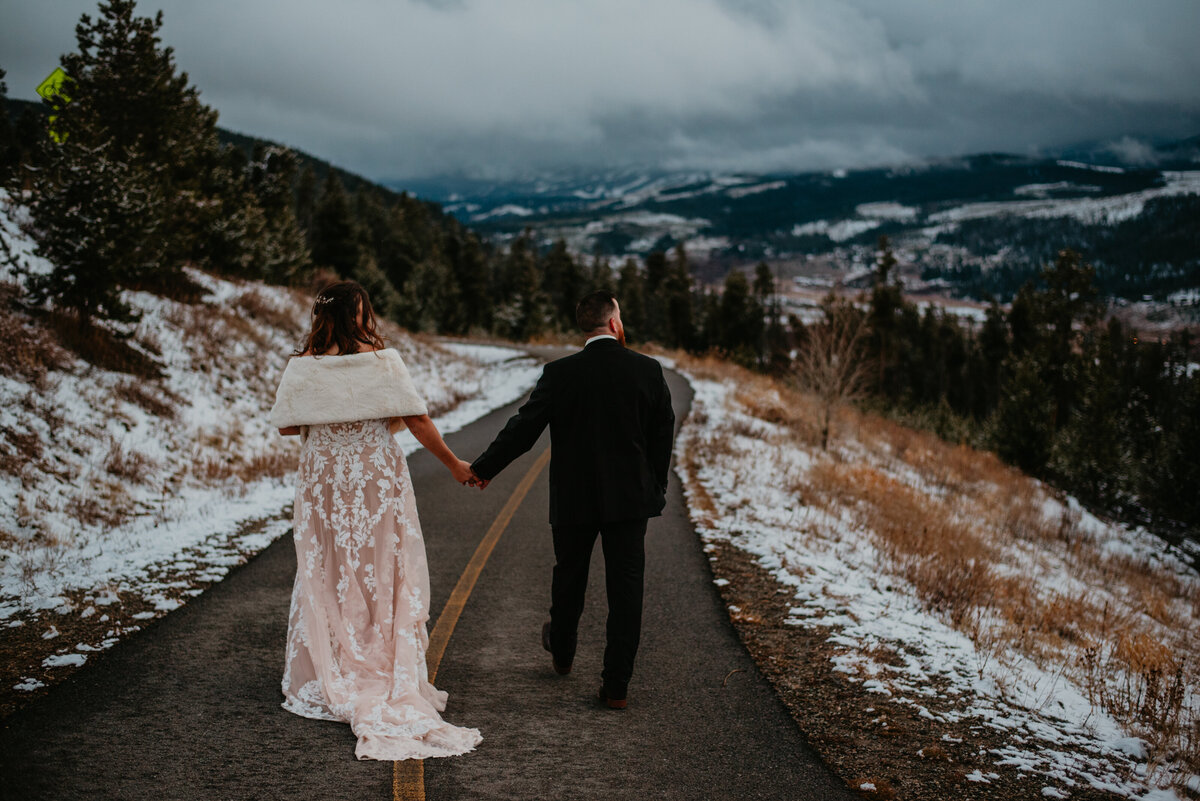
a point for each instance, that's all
(393, 88)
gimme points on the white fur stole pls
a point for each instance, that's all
(341, 389)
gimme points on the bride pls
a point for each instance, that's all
(357, 629)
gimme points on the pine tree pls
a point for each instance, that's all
(631, 295)
(126, 97)
(656, 270)
(676, 294)
(655, 311)
(513, 266)
(473, 276)
(887, 304)
(563, 284)
(8, 142)
(429, 300)
(229, 228)
(306, 200)
(385, 299)
(283, 256)
(774, 346)
(534, 313)
(525, 311)
(601, 274)
(393, 242)
(1022, 320)
(1023, 424)
(1070, 300)
(335, 238)
(28, 131)
(1172, 478)
(989, 352)
(739, 327)
(886, 261)
(764, 284)
(1090, 451)
(95, 220)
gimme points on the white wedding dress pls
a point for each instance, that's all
(357, 630)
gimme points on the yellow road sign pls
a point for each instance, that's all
(51, 88)
(53, 84)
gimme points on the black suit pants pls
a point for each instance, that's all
(624, 567)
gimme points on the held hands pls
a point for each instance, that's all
(463, 474)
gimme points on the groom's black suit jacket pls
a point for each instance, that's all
(611, 426)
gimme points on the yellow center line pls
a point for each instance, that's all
(408, 775)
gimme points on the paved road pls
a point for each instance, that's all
(189, 708)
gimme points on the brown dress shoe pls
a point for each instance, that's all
(560, 669)
(611, 703)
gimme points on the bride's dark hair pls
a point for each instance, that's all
(335, 321)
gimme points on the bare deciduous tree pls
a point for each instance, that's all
(833, 365)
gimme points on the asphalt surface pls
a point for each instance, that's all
(189, 707)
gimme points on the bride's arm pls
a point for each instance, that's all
(427, 434)
(290, 431)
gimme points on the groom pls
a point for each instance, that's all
(611, 426)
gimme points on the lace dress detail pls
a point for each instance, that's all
(357, 630)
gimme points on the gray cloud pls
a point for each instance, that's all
(394, 88)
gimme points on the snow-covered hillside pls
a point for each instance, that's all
(123, 494)
(946, 584)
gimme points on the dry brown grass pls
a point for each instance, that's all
(274, 463)
(98, 346)
(220, 456)
(92, 508)
(257, 306)
(215, 470)
(761, 396)
(209, 328)
(29, 349)
(945, 560)
(971, 535)
(155, 399)
(18, 449)
(1092, 635)
(127, 464)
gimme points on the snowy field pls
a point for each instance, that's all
(1094, 211)
(930, 566)
(115, 486)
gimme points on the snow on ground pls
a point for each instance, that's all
(1045, 190)
(754, 189)
(838, 231)
(751, 483)
(1091, 210)
(120, 479)
(505, 375)
(1037, 202)
(887, 211)
(972, 314)
(646, 228)
(507, 210)
(1079, 165)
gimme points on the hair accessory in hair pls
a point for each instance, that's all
(321, 301)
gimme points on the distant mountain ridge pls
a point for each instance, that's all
(1114, 202)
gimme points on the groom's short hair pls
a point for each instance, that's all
(594, 310)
